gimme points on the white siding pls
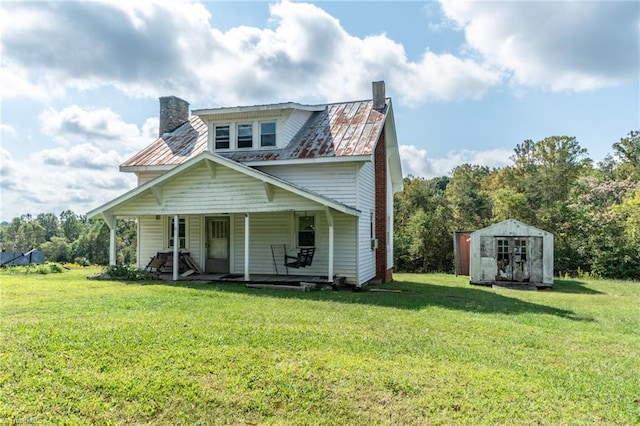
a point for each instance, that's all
(292, 125)
(196, 192)
(278, 228)
(151, 238)
(366, 204)
(333, 180)
(195, 239)
(144, 177)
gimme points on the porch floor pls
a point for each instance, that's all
(254, 279)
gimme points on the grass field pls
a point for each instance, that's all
(78, 351)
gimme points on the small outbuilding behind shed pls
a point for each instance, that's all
(511, 252)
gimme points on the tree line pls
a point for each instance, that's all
(69, 237)
(593, 210)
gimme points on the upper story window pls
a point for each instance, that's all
(222, 137)
(268, 133)
(245, 135)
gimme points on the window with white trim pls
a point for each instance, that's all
(245, 136)
(306, 231)
(182, 233)
(268, 133)
(222, 137)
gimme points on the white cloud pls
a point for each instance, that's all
(83, 156)
(418, 163)
(560, 45)
(78, 179)
(156, 48)
(7, 130)
(101, 126)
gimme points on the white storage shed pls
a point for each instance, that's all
(511, 252)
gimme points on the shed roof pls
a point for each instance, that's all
(346, 129)
(511, 227)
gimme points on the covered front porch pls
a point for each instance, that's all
(228, 217)
(241, 245)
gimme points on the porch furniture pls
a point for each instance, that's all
(301, 260)
(162, 262)
(278, 252)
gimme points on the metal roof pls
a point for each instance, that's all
(336, 130)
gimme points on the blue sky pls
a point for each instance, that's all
(469, 80)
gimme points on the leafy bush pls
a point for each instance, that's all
(55, 268)
(126, 272)
(43, 269)
(83, 261)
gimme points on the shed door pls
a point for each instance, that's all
(218, 245)
(512, 257)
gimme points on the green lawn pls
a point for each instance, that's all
(440, 351)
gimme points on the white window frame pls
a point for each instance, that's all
(275, 133)
(296, 236)
(215, 139)
(169, 232)
(237, 136)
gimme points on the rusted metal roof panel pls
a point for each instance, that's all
(173, 148)
(337, 130)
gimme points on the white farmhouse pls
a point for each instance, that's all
(227, 185)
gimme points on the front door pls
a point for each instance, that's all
(217, 245)
(512, 258)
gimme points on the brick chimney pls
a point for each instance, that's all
(378, 95)
(173, 113)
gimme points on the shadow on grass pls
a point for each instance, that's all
(403, 295)
(571, 286)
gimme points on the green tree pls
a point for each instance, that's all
(57, 250)
(548, 168)
(92, 246)
(469, 203)
(72, 225)
(510, 204)
(126, 242)
(627, 152)
(23, 234)
(423, 232)
(50, 223)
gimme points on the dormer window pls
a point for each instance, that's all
(222, 137)
(268, 133)
(245, 135)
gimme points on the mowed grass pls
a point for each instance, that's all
(435, 351)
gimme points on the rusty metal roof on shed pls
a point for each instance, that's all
(337, 130)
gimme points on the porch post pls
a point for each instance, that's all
(176, 245)
(330, 222)
(246, 247)
(112, 246)
(111, 222)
